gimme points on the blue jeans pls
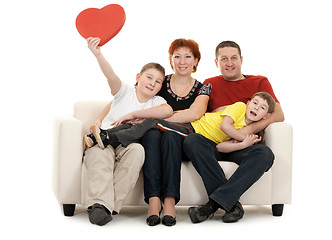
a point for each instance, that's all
(253, 162)
(162, 166)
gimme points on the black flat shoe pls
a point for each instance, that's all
(168, 220)
(153, 220)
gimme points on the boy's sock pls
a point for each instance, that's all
(113, 140)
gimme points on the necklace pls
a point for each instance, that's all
(185, 90)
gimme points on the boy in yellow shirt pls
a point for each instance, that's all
(220, 127)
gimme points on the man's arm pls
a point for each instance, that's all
(276, 116)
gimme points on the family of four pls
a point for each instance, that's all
(165, 120)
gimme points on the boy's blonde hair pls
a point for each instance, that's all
(153, 65)
(269, 99)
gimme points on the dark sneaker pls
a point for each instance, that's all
(101, 136)
(201, 213)
(99, 214)
(89, 140)
(234, 215)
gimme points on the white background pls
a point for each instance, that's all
(46, 67)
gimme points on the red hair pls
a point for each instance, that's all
(188, 43)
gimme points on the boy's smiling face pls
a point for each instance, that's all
(149, 82)
(257, 109)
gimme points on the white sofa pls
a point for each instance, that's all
(69, 174)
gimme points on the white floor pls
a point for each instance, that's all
(258, 223)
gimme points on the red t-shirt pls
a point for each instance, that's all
(228, 92)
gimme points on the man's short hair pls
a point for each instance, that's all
(227, 44)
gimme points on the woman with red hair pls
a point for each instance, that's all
(163, 150)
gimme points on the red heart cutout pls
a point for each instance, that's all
(104, 23)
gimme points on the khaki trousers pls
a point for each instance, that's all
(112, 174)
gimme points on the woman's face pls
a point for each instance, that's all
(183, 61)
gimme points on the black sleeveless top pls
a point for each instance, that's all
(181, 103)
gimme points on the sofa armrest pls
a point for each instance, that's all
(67, 159)
(279, 138)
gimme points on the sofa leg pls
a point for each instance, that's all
(69, 209)
(277, 209)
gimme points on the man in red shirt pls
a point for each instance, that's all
(230, 87)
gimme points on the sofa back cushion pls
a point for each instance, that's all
(88, 112)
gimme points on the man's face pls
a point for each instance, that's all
(229, 63)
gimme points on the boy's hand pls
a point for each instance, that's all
(126, 118)
(251, 140)
(93, 45)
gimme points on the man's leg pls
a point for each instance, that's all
(253, 162)
(202, 153)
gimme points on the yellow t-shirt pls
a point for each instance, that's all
(209, 124)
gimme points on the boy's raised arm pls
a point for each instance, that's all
(113, 80)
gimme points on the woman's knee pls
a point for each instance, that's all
(170, 136)
(152, 135)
